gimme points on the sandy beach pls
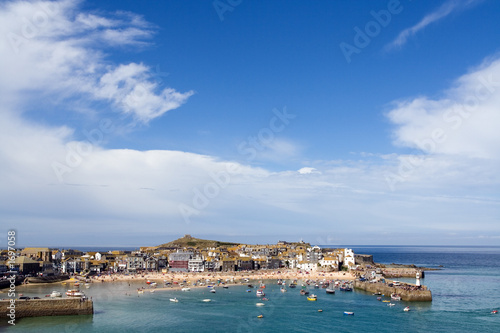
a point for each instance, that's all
(178, 278)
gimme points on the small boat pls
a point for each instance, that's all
(312, 298)
(395, 297)
(494, 311)
(55, 294)
(87, 285)
(152, 291)
(260, 316)
(76, 284)
(292, 285)
(378, 293)
(249, 291)
(74, 293)
(391, 304)
(260, 304)
(250, 286)
(320, 310)
(212, 290)
(265, 299)
(406, 309)
(206, 300)
(348, 313)
(260, 293)
(283, 290)
(140, 291)
(186, 289)
(225, 287)
(386, 301)
(175, 300)
(330, 289)
(316, 286)
(303, 292)
(379, 298)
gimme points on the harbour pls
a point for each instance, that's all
(455, 306)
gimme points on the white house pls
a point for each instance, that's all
(349, 261)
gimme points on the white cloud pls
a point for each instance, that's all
(464, 121)
(51, 49)
(443, 11)
(307, 170)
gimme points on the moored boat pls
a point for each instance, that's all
(174, 300)
(74, 293)
(407, 309)
(348, 313)
(260, 293)
(55, 294)
(395, 297)
(312, 298)
(330, 289)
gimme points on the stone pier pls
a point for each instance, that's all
(47, 307)
(406, 295)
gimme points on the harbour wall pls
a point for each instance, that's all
(406, 295)
(47, 307)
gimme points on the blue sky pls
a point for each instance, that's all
(368, 122)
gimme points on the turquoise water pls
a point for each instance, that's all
(464, 293)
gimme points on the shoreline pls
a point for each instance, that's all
(226, 278)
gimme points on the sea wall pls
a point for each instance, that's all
(47, 307)
(406, 295)
(393, 272)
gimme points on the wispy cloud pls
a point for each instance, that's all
(443, 11)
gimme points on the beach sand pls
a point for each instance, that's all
(177, 278)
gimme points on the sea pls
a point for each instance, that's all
(465, 290)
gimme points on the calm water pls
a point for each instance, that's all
(464, 291)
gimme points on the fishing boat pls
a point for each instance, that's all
(406, 309)
(212, 290)
(379, 298)
(225, 287)
(292, 285)
(348, 313)
(283, 290)
(260, 304)
(494, 311)
(206, 300)
(303, 292)
(260, 316)
(55, 294)
(186, 289)
(386, 301)
(260, 293)
(391, 304)
(312, 298)
(395, 297)
(316, 286)
(175, 300)
(74, 293)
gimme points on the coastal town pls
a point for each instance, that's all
(193, 255)
(192, 262)
(186, 254)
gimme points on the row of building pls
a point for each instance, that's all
(187, 259)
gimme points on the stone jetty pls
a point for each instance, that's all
(47, 307)
(420, 295)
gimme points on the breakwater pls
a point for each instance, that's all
(47, 307)
(422, 295)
